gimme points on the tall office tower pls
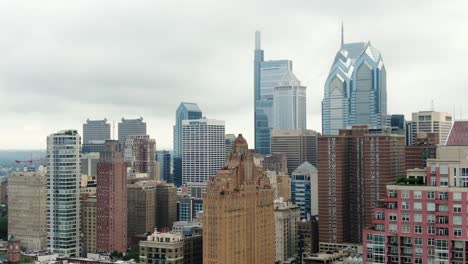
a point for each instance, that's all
(112, 200)
(304, 189)
(166, 205)
(267, 75)
(289, 104)
(356, 89)
(96, 130)
(88, 208)
(63, 193)
(188, 207)
(93, 146)
(298, 145)
(229, 141)
(354, 168)
(287, 217)
(431, 122)
(89, 163)
(27, 208)
(164, 159)
(238, 213)
(423, 218)
(141, 206)
(203, 152)
(139, 153)
(424, 148)
(398, 121)
(131, 127)
(185, 111)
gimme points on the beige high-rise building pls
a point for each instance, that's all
(88, 208)
(238, 213)
(287, 217)
(27, 208)
(431, 122)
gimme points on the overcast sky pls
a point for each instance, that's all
(64, 61)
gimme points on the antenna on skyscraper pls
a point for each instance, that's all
(342, 34)
(113, 129)
(432, 105)
(257, 40)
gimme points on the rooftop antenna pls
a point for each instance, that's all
(113, 129)
(432, 105)
(257, 40)
(342, 34)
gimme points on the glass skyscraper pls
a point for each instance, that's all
(185, 111)
(267, 75)
(355, 90)
(289, 104)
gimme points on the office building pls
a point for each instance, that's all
(111, 200)
(27, 208)
(131, 127)
(203, 152)
(267, 75)
(304, 189)
(289, 104)
(166, 205)
(139, 153)
(89, 163)
(287, 217)
(308, 236)
(423, 217)
(96, 130)
(63, 193)
(423, 148)
(185, 111)
(229, 139)
(238, 212)
(164, 159)
(94, 146)
(354, 168)
(355, 89)
(298, 146)
(188, 207)
(398, 121)
(431, 122)
(88, 208)
(141, 206)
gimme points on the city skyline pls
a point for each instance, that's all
(54, 64)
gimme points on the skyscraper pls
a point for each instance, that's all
(88, 212)
(431, 122)
(267, 75)
(289, 104)
(164, 158)
(166, 205)
(131, 127)
(140, 153)
(287, 217)
(353, 170)
(238, 213)
(304, 189)
(96, 130)
(203, 152)
(141, 206)
(111, 200)
(63, 193)
(356, 89)
(185, 111)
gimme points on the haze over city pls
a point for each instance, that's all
(62, 62)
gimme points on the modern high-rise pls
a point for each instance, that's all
(431, 122)
(355, 89)
(140, 153)
(289, 104)
(164, 159)
(298, 145)
(111, 200)
(398, 121)
(141, 206)
(353, 170)
(203, 152)
(188, 207)
(304, 189)
(166, 205)
(422, 218)
(27, 208)
(287, 217)
(185, 111)
(63, 192)
(238, 212)
(96, 130)
(267, 75)
(88, 213)
(229, 139)
(131, 127)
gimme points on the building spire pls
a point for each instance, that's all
(257, 40)
(342, 34)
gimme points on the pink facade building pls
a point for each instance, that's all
(111, 220)
(424, 218)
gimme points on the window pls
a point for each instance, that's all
(405, 217)
(443, 181)
(417, 206)
(417, 194)
(457, 220)
(431, 230)
(457, 232)
(430, 195)
(392, 227)
(418, 241)
(430, 242)
(457, 196)
(393, 217)
(418, 251)
(457, 208)
(406, 228)
(431, 207)
(418, 218)
(443, 169)
(431, 218)
(418, 229)
(433, 181)
(405, 194)
(443, 208)
(380, 216)
(407, 240)
(405, 206)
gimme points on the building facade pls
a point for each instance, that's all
(304, 189)
(238, 212)
(166, 205)
(111, 200)
(164, 158)
(188, 207)
(287, 217)
(353, 170)
(289, 104)
(203, 152)
(185, 111)
(141, 206)
(298, 145)
(130, 127)
(94, 130)
(88, 208)
(27, 208)
(140, 153)
(63, 193)
(431, 122)
(355, 89)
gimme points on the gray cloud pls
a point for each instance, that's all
(62, 61)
